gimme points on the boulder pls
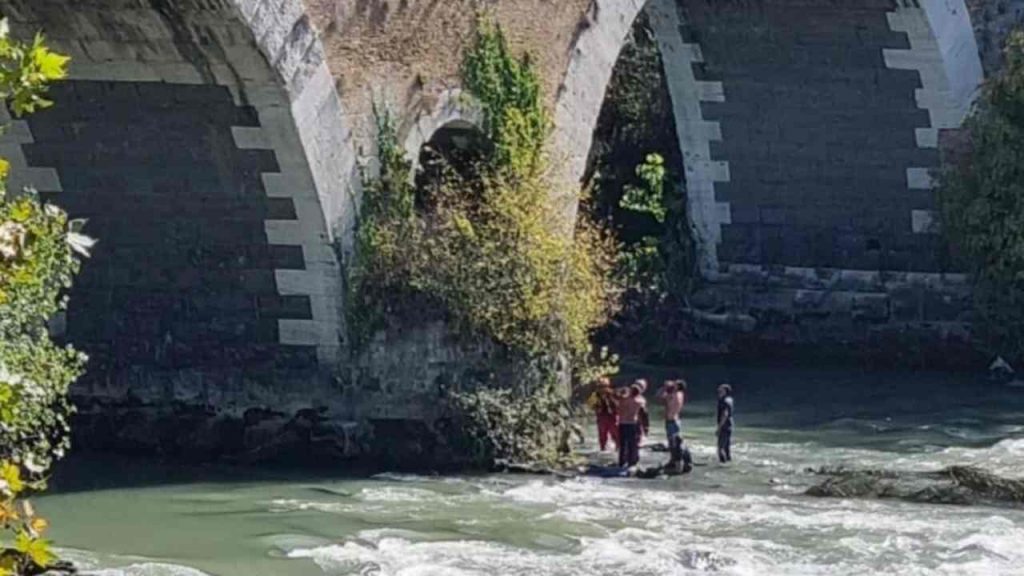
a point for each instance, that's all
(962, 485)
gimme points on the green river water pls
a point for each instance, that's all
(134, 518)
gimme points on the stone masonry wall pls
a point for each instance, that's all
(809, 131)
(818, 133)
(211, 306)
(407, 53)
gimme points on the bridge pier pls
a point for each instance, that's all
(206, 146)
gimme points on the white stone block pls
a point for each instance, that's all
(927, 137)
(326, 308)
(178, 73)
(920, 179)
(710, 131)
(720, 171)
(17, 133)
(711, 91)
(307, 333)
(328, 355)
(897, 59)
(277, 185)
(41, 179)
(923, 221)
(308, 211)
(723, 213)
(303, 282)
(14, 155)
(286, 232)
(690, 52)
(250, 138)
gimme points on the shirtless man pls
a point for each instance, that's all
(629, 425)
(673, 394)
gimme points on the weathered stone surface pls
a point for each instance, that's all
(963, 485)
(204, 433)
(178, 210)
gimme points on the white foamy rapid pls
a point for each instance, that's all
(748, 518)
(146, 569)
(600, 527)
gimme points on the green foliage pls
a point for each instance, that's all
(639, 186)
(509, 91)
(486, 246)
(491, 252)
(489, 249)
(30, 552)
(981, 199)
(506, 425)
(649, 197)
(382, 275)
(638, 176)
(37, 262)
(640, 111)
(641, 266)
(25, 69)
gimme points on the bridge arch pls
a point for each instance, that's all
(452, 109)
(206, 143)
(920, 59)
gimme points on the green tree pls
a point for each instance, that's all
(981, 199)
(37, 261)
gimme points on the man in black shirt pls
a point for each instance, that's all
(724, 428)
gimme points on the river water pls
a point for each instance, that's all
(127, 518)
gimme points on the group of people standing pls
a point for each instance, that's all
(622, 417)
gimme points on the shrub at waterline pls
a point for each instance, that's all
(37, 262)
(490, 250)
(981, 198)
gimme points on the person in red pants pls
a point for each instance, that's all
(605, 406)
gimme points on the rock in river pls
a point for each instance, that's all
(954, 485)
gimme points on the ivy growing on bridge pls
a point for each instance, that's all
(490, 249)
(509, 91)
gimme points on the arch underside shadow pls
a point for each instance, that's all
(807, 133)
(206, 145)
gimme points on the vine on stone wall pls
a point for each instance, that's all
(383, 271)
(508, 89)
(487, 246)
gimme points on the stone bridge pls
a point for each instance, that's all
(215, 147)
